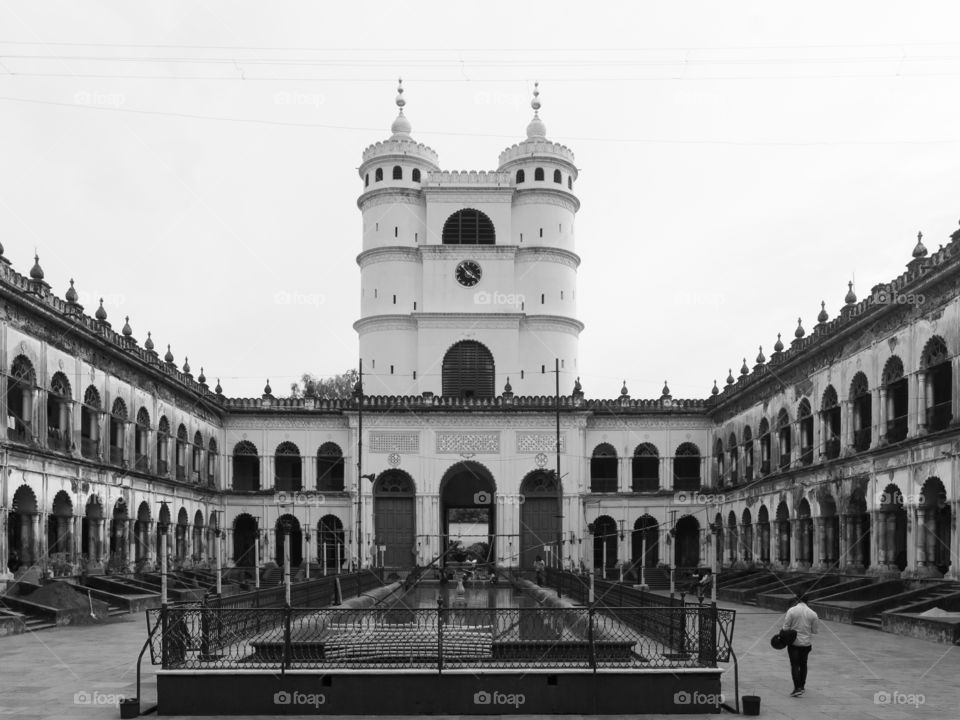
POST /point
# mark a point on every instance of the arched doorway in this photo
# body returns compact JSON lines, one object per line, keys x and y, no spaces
{"x":746,"y":531}
{"x":467,"y":513}
{"x":934,"y":517}
{"x":763,"y":530}
{"x":893,"y":529}
{"x":687,"y":542}
{"x":91,"y":526}
{"x":604,"y":530}
{"x":783,"y":534}
{"x":539,"y":523}
{"x":21,"y":533}
{"x":830,"y":542}
{"x":245,"y":541}
{"x":394,"y":518}
{"x":197,"y":545}
{"x":288,"y":524}
{"x":59,"y":522}
{"x":141,"y":533}
{"x":858,"y":530}
{"x":330,"y":544}
{"x":183,"y":521}
{"x":163,"y":526}
{"x":119,"y":528}
{"x":805,"y":550}
{"x":645,"y":527}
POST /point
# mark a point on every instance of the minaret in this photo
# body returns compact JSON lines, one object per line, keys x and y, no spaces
{"x":394,"y":226}
{"x":543,"y":213}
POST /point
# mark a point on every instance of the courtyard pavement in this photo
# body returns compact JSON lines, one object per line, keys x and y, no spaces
{"x":855,"y":673}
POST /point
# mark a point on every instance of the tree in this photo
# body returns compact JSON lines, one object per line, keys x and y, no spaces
{"x":328,"y":388}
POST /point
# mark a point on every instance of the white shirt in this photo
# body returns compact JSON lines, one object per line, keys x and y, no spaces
{"x":802,"y":619}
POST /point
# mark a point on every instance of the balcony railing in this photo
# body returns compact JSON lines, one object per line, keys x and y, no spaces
{"x":163,"y":467}
{"x":748,"y":474}
{"x":142,"y":463}
{"x":939,"y":416}
{"x":89,"y":448}
{"x":861,"y":439}
{"x":18,"y":433}
{"x":806,"y":455}
{"x":116,"y":455}
{"x":734,"y":478}
{"x":832,"y":448}
{"x":684,"y":482}
{"x":897,"y":429}
{"x":181,"y":472}
{"x":645,"y":484}
{"x":195,"y":476}
{"x":765,"y":467}
{"x":784,"y":461}
{"x":56,"y":440}
{"x":603,"y":485}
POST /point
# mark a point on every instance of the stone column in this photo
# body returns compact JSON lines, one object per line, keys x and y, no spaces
{"x":849,"y":420}
{"x":955,"y":386}
{"x":918,"y":390}
{"x":819,"y":542}
{"x":929,"y":537}
{"x":858,"y":541}
{"x":666,"y":473}
{"x":880,"y":402}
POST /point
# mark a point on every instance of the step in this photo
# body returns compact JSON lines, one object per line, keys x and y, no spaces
{"x":37,"y":623}
{"x":871,"y":621}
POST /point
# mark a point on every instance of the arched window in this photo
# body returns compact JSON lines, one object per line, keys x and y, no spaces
{"x":468,"y":227}
{"x":90,"y":424}
{"x":805,"y":431}
{"x":20,"y":390}
{"x":212,"y":462}
{"x":196,"y":459}
{"x":747,"y":454}
{"x":557,"y":177}
{"x":468,"y":371}
{"x":719,"y":459}
{"x":569,"y":182}
{"x":288,"y":467}
{"x":330,"y":467}
{"x":58,"y":412}
{"x":378,"y":175}
{"x":784,"y":438}
{"x":118,"y":425}
{"x":937,"y":386}
{"x":180,"y":452}
{"x":397,"y":172}
{"x":830,"y":410}
{"x":538,"y":174}
{"x":366,"y":180}
{"x":521,"y":177}
{"x":734,"y":459}
{"x":895,"y":387}
{"x":763,"y":432}
{"x":646,"y":468}
{"x":862,"y":412}
{"x":163,"y":446}
{"x":246,"y":467}
{"x":141,"y":441}
{"x":330,"y":543}
{"x":686,"y":467}
{"x":603,"y":469}
{"x":416,"y":175}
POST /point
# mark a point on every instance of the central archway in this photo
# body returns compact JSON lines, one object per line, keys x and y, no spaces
{"x":539,"y":522}
{"x":467,"y":512}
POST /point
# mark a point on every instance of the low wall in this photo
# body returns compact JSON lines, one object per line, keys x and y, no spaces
{"x":397,"y":693}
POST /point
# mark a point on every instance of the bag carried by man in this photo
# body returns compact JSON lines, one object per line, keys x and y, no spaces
{"x":782,"y":639}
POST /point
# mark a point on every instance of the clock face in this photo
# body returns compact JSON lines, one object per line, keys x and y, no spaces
{"x":468,"y":273}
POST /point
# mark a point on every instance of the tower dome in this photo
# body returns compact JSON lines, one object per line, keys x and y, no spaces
{"x":401,"y":126}
{"x":536,"y":130}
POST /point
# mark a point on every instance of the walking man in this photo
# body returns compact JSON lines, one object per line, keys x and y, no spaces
{"x":805,"y":622}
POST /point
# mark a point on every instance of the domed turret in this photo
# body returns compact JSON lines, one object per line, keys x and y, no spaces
{"x":823,"y":316}
{"x":148,"y":345}
{"x":401,"y":126}
{"x":127,"y":330}
{"x":919,"y":251}
{"x":760,"y":358}
{"x":799,"y":332}
{"x":72,"y":295}
{"x":851,"y":297}
{"x":101,"y":313}
{"x":36,"y":272}
{"x":218,"y":390}
{"x":267,"y":390}
{"x":730,"y":380}
{"x":536,"y":130}
{"x":744,"y":370}
{"x":778,"y":346}
{"x":201,"y":378}
{"x":714,"y":390}
{"x":665,"y":393}
{"x":186,"y":365}
{"x":168,"y":356}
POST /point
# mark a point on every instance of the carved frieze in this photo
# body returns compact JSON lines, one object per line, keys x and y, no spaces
{"x":474,"y":443}
{"x":536,"y":442}
{"x":382,"y":441}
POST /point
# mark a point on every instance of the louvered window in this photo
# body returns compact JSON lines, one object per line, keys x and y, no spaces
{"x":468,"y":227}
{"x":468,"y":371}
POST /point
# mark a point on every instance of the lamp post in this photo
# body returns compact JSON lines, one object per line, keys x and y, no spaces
{"x":217,"y":532}
{"x":620,"y":561}
{"x":256,"y":555}
{"x":371,"y":477}
{"x":162,"y":526}
{"x":286,"y":525}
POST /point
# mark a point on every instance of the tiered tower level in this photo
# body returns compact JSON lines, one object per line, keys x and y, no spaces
{"x":468,"y":279}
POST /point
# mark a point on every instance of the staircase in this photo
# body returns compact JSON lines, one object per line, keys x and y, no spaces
{"x":874,"y":621}
{"x":273,"y":576}
{"x":657,"y":578}
{"x":31,"y":623}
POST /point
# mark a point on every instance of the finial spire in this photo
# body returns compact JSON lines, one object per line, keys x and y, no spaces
{"x":535,"y":103}
{"x":400,"y":101}
{"x":536,"y":130}
{"x":401,"y":126}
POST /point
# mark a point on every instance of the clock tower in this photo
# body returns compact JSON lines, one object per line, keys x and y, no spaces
{"x":468,"y":278}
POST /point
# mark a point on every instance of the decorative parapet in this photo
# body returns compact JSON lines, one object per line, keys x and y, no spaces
{"x":446,"y":178}
{"x":401,"y":147}
{"x":538,"y":148}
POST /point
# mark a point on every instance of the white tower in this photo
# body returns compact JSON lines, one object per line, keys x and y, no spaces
{"x":468,"y":278}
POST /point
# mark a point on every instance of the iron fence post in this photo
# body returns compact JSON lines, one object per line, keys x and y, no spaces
{"x":204,"y":628}
{"x":286,"y":639}
{"x":164,"y":660}
{"x":440,"y":635}
{"x":593,"y":649}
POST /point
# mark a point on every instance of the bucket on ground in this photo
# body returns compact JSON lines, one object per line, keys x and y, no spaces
{"x":130,"y":708}
{"x":751,"y":704}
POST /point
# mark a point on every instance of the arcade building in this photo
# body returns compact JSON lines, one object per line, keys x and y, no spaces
{"x":838,"y":452}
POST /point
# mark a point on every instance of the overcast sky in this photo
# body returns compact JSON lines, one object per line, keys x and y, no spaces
{"x":192,"y":162}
